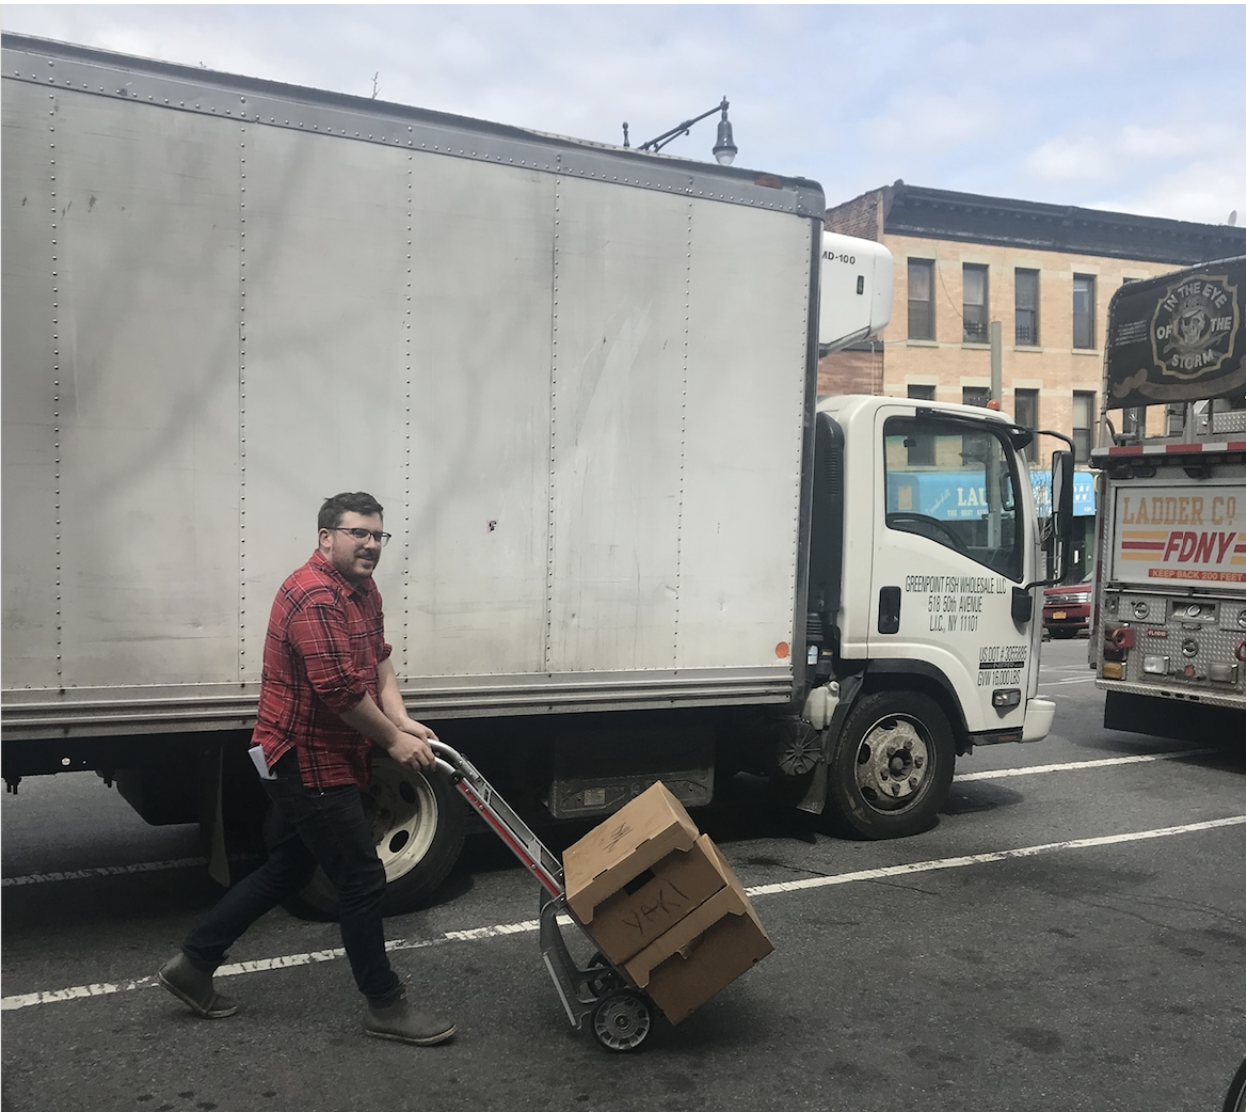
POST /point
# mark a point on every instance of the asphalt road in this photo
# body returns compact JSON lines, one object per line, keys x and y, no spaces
{"x":1072,"y":935}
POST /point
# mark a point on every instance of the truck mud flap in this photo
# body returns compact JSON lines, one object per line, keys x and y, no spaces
{"x":814,"y":801}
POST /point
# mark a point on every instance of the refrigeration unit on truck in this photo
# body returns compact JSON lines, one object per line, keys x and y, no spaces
{"x":582,"y":380}
{"x":1168,"y":639}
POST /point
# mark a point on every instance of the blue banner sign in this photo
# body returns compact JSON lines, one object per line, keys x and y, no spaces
{"x":1083,"y":493}
{"x":961,"y":495}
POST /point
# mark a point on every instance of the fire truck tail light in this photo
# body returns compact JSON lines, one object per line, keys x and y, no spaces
{"x":1112,"y":670}
{"x":1155,"y":665}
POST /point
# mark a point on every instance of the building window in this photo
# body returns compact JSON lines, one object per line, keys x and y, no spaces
{"x":975,"y":395}
{"x":1025,"y":408}
{"x":921,"y":299}
{"x":1083,"y":311}
{"x":1027,"y":308}
{"x":920,"y":449}
{"x":975,"y":313}
{"x":1083,"y":425}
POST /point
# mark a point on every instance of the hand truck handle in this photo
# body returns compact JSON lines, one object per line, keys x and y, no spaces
{"x":448,"y":760}
{"x":500,"y":817}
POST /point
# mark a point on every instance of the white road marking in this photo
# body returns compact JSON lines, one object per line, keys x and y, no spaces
{"x":199,"y":862}
{"x":114,"y":870}
{"x":1062,"y":683}
{"x":1078,"y":766}
{"x":997,"y":855}
{"x":109,"y":870}
{"x":528,"y":926}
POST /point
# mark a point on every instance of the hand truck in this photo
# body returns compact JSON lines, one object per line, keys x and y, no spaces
{"x":620,"y":1015}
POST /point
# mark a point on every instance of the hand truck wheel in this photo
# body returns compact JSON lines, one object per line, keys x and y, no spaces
{"x":622,"y":1020}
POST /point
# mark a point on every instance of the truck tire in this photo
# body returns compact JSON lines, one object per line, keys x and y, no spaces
{"x":891,"y":769}
{"x":418,"y":824}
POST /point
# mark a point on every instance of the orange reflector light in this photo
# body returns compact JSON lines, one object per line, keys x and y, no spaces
{"x":782,"y":649}
{"x":1112,"y":670}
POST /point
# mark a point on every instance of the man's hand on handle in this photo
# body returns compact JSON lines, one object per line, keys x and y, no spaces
{"x":403,"y":738}
{"x":411,"y":745}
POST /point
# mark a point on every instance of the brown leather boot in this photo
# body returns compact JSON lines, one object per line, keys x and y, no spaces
{"x":403,"y":1023}
{"x":193,"y":987}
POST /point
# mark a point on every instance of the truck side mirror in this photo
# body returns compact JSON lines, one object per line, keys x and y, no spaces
{"x":1061,"y":516}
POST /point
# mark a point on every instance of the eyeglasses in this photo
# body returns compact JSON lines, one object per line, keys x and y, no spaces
{"x":362,"y":534}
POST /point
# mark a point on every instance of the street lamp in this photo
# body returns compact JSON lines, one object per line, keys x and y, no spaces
{"x":724,"y":150}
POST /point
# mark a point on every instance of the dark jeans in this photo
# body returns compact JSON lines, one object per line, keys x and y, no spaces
{"x":306,"y":828}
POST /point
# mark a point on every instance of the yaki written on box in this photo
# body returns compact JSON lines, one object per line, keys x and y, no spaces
{"x":660,"y":900}
{"x":627,"y":846}
{"x":704,"y":952}
{"x":650,"y":904}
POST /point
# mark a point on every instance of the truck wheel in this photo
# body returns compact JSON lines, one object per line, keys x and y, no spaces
{"x":418,"y":824}
{"x":891,"y":769}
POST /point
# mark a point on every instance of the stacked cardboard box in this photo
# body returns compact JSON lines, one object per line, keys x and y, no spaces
{"x":662,"y":903}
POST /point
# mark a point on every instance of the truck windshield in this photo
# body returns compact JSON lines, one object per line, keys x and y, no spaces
{"x":955,"y":486}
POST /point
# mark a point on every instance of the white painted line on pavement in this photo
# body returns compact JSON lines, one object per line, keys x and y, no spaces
{"x":1077,"y":766}
{"x":189,"y":862}
{"x":528,"y":926}
{"x":987,"y":858}
{"x":115,"y":870}
{"x":108,"y":870}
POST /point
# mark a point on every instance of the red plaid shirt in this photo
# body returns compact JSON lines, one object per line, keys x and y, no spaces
{"x":326,"y":637}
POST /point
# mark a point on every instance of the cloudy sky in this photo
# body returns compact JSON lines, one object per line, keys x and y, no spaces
{"x":1135,"y":108}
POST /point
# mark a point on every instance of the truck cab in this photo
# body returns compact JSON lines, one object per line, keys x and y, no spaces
{"x":921,"y":596}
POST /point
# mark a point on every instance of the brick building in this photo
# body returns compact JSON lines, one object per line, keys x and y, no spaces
{"x":1046,"y":272}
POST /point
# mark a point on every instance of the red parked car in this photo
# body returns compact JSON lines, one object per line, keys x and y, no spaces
{"x":1066,"y":609}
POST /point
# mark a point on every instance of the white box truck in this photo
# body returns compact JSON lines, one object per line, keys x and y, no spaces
{"x":1168,"y":624}
{"x":581,"y":380}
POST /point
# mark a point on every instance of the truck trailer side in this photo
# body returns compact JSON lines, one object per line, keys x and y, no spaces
{"x":581,"y":380}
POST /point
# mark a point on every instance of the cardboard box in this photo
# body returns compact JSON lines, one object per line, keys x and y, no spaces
{"x":633,"y":839}
{"x":703,"y":952}
{"x":630,"y":919}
